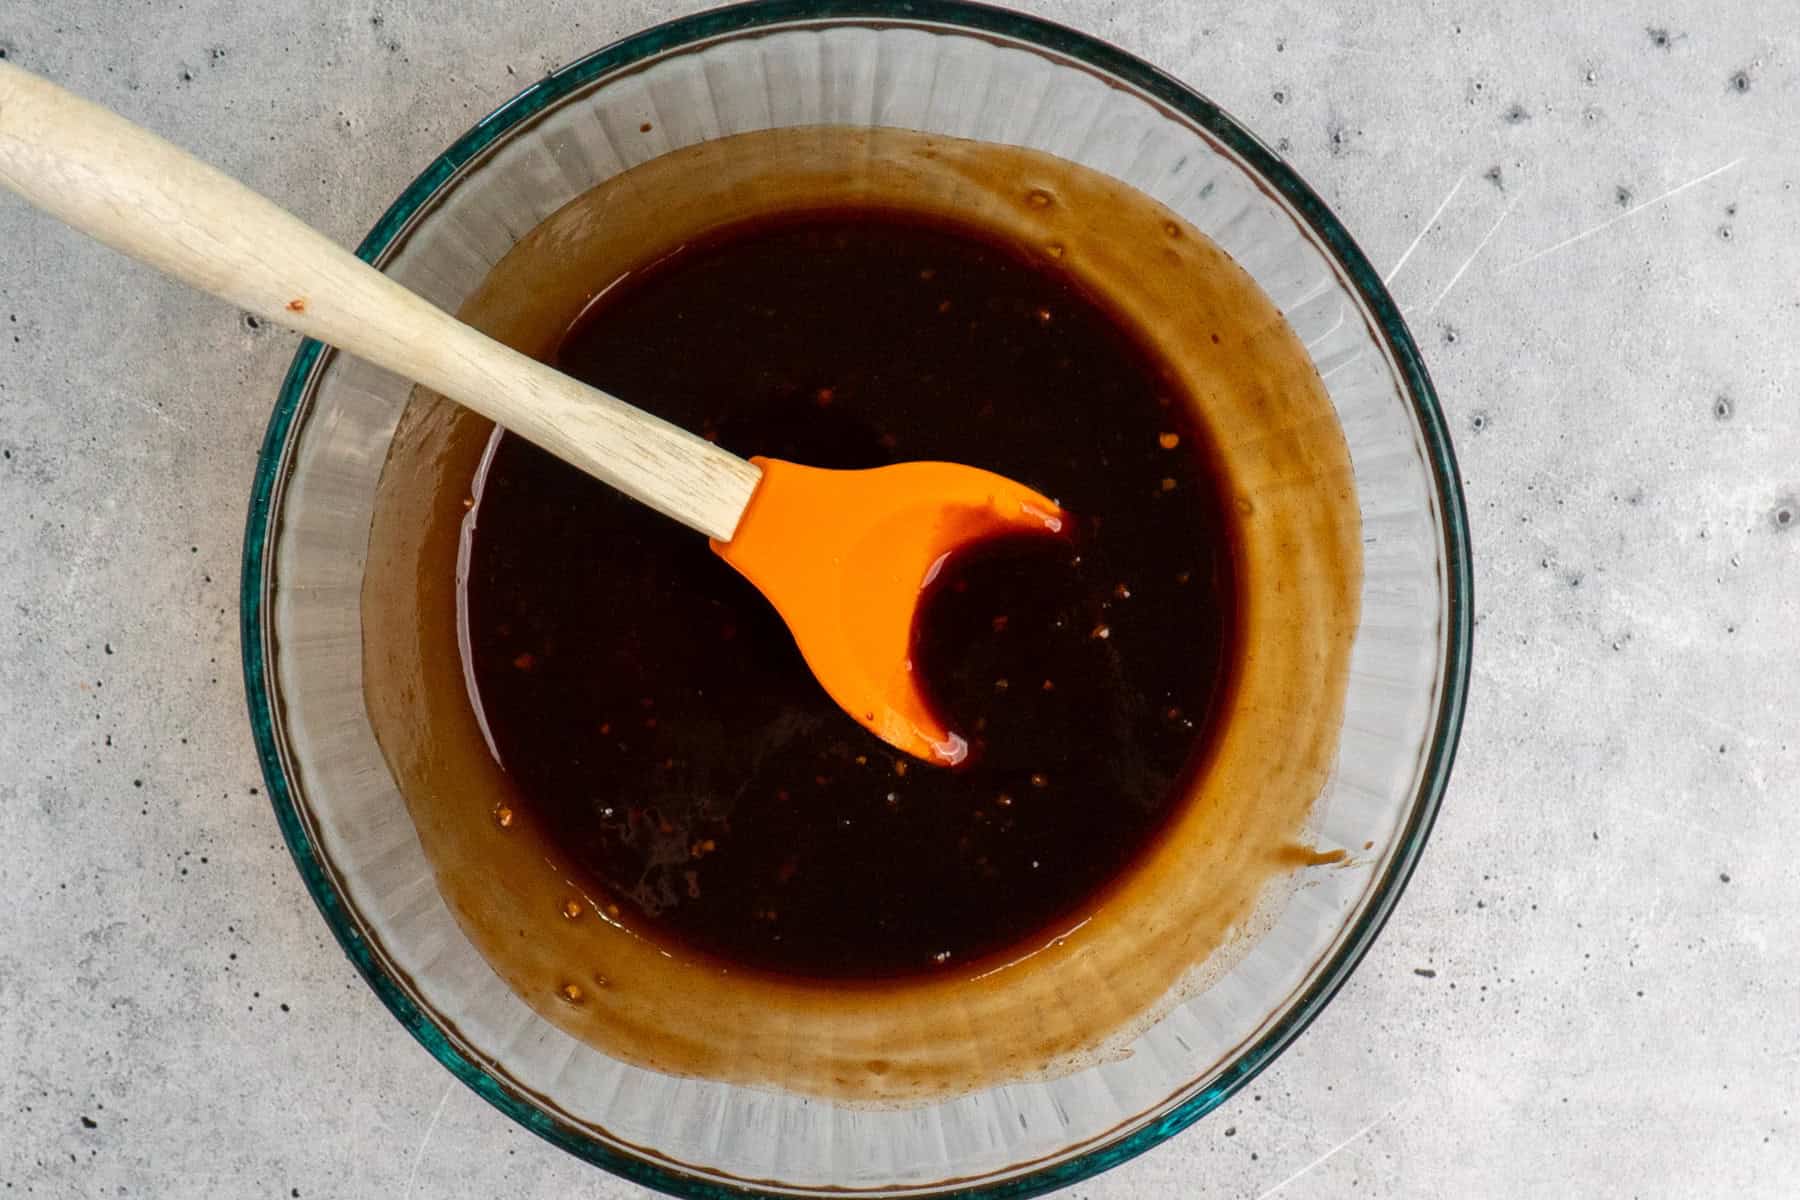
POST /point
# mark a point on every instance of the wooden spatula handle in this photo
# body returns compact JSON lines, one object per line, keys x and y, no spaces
{"x":127,"y":187}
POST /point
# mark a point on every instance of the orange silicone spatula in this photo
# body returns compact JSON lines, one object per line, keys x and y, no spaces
{"x":843,"y":555}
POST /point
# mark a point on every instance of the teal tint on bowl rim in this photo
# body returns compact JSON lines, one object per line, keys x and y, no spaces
{"x":271,"y":718}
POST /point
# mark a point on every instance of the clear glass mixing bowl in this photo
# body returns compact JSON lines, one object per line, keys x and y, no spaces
{"x":940,"y":67}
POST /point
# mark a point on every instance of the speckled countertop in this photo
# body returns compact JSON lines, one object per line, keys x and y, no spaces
{"x":1593,"y":985}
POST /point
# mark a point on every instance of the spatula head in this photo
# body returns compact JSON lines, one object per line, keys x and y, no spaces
{"x":844,"y":555}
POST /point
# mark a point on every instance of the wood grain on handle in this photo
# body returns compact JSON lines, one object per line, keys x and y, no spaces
{"x":123,"y":185}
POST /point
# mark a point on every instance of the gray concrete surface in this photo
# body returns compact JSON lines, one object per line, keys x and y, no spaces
{"x":1592,"y":987}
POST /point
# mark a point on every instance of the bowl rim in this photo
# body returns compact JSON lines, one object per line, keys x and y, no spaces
{"x":274,"y":460}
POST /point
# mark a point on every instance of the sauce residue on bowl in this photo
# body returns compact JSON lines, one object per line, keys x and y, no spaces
{"x":1174,"y":845}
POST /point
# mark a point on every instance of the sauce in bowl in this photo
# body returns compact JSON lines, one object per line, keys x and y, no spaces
{"x":652,"y":710}
{"x":637,"y":803}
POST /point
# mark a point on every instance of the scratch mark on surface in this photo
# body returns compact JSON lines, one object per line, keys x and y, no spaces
{"x":1626,"y":215}
{"x":419,"y":1154}
{"x":158,"y":413}
{"x":1740,"y":732}
{"x":78,"y":561}
{"x":360,"y":1158}
{"x":1427,"y":228}
{"x":1335,"y":46}
{"x":1479,"y":247}
{"x":1675,"y":819}
{"x":1316,"y":1163}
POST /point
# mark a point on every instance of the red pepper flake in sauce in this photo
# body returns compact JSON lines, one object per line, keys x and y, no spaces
{"x":572,"y":993}
{"x":1168,"y":441}
{"x":571,"y":909}
{"x":1000,"y":624}
{"x":1168,"y":485}
{"x":1121,"y":592}
{"x":1102,"y":632}
{"x":503,"y":817}
{"x":1039,"y":779}
{"x":524,"y":661}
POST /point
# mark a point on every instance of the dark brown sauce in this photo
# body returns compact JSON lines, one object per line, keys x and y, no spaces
{"x":650,"y":707}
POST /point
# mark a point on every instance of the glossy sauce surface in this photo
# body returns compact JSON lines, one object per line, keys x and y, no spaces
{"x":652,"y":711}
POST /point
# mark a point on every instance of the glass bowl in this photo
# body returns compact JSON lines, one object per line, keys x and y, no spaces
{"x":939,"y":67}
